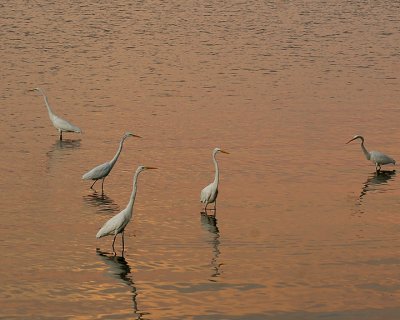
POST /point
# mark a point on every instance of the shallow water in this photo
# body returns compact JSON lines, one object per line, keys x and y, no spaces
{"x":305,"y":229}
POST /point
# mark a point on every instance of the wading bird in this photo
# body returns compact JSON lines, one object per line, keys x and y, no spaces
{"x":60,"y":124}
{"x":102,"y":170}
{"x":209,"y":194}
{"x":375,"y":156}
{"x":117,"y":224}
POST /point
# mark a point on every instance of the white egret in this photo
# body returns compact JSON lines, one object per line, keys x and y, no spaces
{"x":375,"y":156}
{"x":117,"y":224}
{"x":60,"y":124}
{"x":209,"y":194}
{"x":102,"y":170}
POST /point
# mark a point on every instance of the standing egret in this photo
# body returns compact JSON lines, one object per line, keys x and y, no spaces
{"x":117,"y":224}
{"x":60,"y":124}
{"x":375,"y":156}
{"x":102,"y":170}
{"x":209,"y":194}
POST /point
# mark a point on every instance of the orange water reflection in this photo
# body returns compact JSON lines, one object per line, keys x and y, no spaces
{"x":303,"y":229}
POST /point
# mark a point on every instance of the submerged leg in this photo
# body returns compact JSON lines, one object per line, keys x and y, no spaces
{"x":102,"y":184}
{"x":123,"y":242}
{"x":91,"y":187}
{"x":114,"y":242}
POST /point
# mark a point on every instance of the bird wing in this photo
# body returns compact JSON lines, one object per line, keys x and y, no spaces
{"x":113,"y":226}
{"x":64,"y":125}
{"x":381,"y":158}
{"x":98,"y":172}
{"x":208,"y":194}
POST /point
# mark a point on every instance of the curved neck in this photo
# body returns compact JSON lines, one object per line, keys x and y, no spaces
{"x":133,"y":194}
{"x":216,"y":178}
{"x":46,"y":101}
{"x":366,"y":153}
{"x":114,"y":160}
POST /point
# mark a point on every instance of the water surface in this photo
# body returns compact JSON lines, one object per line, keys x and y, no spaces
{"x":305,"y":229}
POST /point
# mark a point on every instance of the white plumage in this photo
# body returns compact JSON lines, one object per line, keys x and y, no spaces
{"x":209,"y":194}
{"x":60,"y":124}
{"x":378,"y":158}
{"x":117,"y":224}
{"x":101,"y":171}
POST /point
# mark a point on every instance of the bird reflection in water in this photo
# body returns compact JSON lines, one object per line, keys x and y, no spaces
{"x":209,"y":223}
{"x":60,"y":149}
{"x":120,"y":270}
{"x":101,"y":201}
{"x":64,"y":145}
{"x":374,"y":181}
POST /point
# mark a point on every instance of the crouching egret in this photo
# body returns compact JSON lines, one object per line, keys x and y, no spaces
{"x":102,"y":170}
{"x":375,"y":156}
{"x":117,"y":224}
{"x":209,"y":194}
{"x":60,"y":124}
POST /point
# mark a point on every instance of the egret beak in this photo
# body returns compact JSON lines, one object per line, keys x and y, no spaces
{"x":151,"y":168}
{"x":223,"y":151}
{"x":351,"y":140}
{"x":128,"y":134}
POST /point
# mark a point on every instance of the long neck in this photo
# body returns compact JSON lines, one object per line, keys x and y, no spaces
{"x":114,"y":160}
{"x":133,"y":194}
{"x":216,"y":178}
{"x":46,"y":101}
{"x":366,"y":153}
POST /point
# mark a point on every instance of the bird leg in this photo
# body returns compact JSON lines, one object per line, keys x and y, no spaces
{"x":102,"y":183}
{"x":91,"y":187}
{"x":378,"y":167}
{"x":123,"y":242}
{"x":205,"y":208}
{"x":114,"y":242}
{"x":60,"y":135}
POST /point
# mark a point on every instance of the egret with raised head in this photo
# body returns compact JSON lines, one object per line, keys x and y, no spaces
{"x":378,"y":158}
{"x":102,"y":170}
{"x":60,"y":124}
{"x":209,"y":194}
{"x":117,"y":224}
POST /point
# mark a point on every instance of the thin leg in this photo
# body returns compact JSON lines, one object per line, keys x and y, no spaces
{"x":60,"y":135}
{"x":114,"y":242}
{"x":102,"y":183}
{"x":205,"y":208}
{"x":91,"y":187}
{"x":123,"y":242}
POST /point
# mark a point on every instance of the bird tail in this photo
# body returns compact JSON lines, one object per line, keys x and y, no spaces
{"x":86,"y":176}
{"x":100,"y":234}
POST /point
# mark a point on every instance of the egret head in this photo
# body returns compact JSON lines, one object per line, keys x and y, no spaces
{"x":220,"y":150}
{"x":36,"y":89}
{"x":356,"y":137}
{"x":143,"y":168}
{"x":130,"y":134}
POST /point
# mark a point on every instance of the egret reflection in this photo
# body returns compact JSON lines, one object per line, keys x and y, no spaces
{"x":375,"y":182}
{"x":120,"y":270}
{"x":63,"y":145}
{"x":60,"y":150}
{"x":209,"y":223}
{"x":101,"y":201}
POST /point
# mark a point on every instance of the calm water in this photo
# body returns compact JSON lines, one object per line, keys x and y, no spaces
{"x":304,"y":229}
